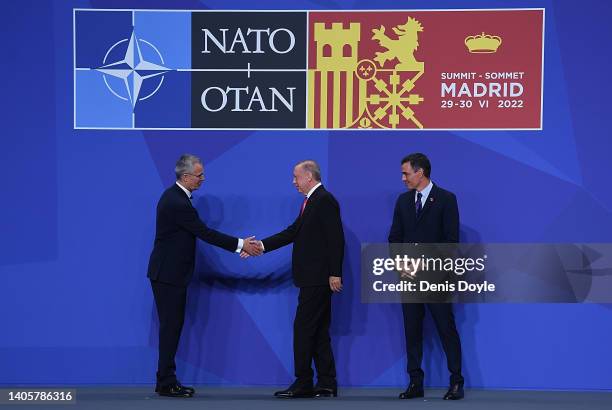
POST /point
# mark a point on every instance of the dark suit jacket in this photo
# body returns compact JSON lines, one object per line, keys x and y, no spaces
{"x":177,"y":226}
{"x":437,"y":223}
{"x":318,"y":241}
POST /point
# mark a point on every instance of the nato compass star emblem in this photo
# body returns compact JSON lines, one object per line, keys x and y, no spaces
{"x":133,"y":69}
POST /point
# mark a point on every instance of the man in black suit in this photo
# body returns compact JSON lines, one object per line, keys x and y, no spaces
{"x":318,"y":251}
{"x":172,"y":262}
{"x":427,"y":214}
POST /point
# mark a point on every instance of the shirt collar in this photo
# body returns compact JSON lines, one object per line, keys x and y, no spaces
{"x":184,"y":190}
{"x":425,"y":191}
{"x":312,"y":190}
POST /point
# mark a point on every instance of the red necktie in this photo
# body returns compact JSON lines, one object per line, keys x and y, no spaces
{"x":303,"y":206}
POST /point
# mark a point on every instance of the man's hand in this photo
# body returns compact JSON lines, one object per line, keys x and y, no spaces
{"x":251,"y":247}
{"x":409,"y":272}
{"x":335,"y":283}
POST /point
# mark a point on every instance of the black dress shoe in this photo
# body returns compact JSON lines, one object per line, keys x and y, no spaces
{"x":325,"y":391}
{"x":295,"y":393}
{"x":174,"y":390}
{"x":412,"y":392}
{"x":455,"y":392}
{"x":191,"y":390}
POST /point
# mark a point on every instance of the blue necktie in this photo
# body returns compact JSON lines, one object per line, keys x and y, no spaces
{"x":419,"y":205}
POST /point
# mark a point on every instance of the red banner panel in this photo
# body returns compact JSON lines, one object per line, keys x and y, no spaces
{"x":451,"y":69}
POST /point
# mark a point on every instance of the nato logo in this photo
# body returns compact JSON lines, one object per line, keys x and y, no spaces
{"x":132,"y":69}
{"x":156,"y":69}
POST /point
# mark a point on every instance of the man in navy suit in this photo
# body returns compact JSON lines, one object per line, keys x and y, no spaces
{"x":427,"y":214}
{"x":172,"y":262}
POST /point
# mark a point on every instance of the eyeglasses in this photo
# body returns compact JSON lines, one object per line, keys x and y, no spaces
{"x":200,"y":176}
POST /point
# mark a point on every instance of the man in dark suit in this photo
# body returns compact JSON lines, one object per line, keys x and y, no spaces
{"x":318,"y":251}
{"x":427,"y":214}
{"x":172,"y":262}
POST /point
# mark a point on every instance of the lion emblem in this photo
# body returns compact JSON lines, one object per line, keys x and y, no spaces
{"x":402,"y":48}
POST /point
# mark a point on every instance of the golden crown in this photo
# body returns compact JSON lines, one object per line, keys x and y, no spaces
{"x":482,"y":43}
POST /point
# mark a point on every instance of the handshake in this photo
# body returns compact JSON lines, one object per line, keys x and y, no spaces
{"x":251,"y":247}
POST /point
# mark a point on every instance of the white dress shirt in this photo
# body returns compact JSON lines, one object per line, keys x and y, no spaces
{"x":312,"y":190}
{"x":425,"y":193}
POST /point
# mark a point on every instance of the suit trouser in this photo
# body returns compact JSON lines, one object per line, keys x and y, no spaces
{"x":444,"y":320}
{"x":311,"y":339}
{"x":170,"y":301}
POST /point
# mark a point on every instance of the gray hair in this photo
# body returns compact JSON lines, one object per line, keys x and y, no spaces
{"x":185,"y":165}
{"x":311,"y":166}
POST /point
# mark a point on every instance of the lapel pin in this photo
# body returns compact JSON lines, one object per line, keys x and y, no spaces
{"x":431,"y":199}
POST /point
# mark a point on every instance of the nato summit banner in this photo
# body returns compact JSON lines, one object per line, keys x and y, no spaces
{"x":399,"y":69}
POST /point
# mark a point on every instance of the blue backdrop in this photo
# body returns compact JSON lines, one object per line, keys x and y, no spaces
{"x":78,"y":210}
